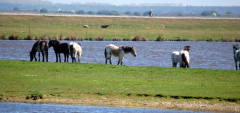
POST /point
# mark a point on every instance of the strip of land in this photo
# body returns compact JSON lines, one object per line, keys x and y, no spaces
{"x":35,"y":27}
{"x":123,"y":86}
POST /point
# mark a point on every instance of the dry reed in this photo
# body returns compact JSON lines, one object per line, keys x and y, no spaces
{"x":139,"y":38}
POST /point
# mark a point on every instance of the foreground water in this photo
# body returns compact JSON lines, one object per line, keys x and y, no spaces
{"x":207,"y":55}
{"x":46,"y":108}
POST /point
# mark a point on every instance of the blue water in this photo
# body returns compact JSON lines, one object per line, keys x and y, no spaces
{"x":46,"y":108}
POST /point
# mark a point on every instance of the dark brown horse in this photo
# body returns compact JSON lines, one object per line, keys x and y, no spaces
{"x":60,"y":48}
{"x":40,"y":47}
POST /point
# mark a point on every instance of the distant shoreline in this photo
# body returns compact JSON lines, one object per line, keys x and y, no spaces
{"x":74,"y":15}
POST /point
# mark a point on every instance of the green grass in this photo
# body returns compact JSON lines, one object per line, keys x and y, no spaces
{"x":23,"y":78}
{"x":125,"y":28}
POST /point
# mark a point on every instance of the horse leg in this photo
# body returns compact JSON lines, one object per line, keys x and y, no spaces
{"x":106,"y":60}
{"x":56,"y":56}
{"x":35,"y":57}
{"x":118,"y":61}
{"x":46,"y":56}
{"x":43,"y":56}
{"x":38,"y":56}
{"x":110,"y":59}
{"x":67,"y":55}
{"x":78,"y":58}
{"x":236,"y":65}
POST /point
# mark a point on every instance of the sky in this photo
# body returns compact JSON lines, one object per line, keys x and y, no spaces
{"x":184,"y":2}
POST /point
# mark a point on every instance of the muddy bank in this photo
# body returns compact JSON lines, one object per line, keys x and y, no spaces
{"x":136,"y":102}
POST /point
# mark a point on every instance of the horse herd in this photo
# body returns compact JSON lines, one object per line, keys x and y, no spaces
{"x":75,"y":51}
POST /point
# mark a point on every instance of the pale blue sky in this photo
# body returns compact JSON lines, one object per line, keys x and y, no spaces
{"x":184,"y":2}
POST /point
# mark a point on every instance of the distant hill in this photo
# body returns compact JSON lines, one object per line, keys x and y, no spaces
{"x":157,"y":9}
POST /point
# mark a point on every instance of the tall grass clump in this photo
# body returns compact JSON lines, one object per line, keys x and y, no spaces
{"x":29,"y":37}
{"x":13,"y":37}
{"x":42,"y":37}
{"x":100,"y":38}
{"x":117,"y":39}
{"x":3,"y":36}
{"x":237,"y":39}
{"x":74,"y":37}
{"x":139,"y":38}
{"x":159,"y":38}
{"x":226,"y":39}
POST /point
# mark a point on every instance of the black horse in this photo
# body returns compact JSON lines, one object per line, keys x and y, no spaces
{"x":40,"y":47}
{"x":104,"y":26}
{"x":60,"y":48}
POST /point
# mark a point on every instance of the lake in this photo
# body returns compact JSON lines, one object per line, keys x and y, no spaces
{"x":206,"y":55}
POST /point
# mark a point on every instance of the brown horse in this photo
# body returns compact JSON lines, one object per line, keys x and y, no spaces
{"x":118,"y":52}
{"x":39,"y":46}
{"x":60,"y":48}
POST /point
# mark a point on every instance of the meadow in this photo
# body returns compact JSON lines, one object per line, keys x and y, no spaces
{"x":120,"y":28}
{"x":23,"y":79}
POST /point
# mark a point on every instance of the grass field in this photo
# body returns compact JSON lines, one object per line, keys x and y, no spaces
{"x":120,"y":27}
{"x":21,"y":78}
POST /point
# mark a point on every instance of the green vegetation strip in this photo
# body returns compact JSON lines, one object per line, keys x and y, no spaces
{"x":120,"y":28}
{"x":68,"y":80}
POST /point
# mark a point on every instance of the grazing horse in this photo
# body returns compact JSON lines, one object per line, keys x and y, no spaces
{"x":60,"y":48}
{"x":118,"y":52}
{"x":40,"y":47}
{"x":104,"y":26}
{"x":236,"y":53}
{"x":75,"y":50}
{"x":181,"y":57}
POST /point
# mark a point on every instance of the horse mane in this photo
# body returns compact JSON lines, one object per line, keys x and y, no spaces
{"x":235,"y":47}
{"x":126,"y":49}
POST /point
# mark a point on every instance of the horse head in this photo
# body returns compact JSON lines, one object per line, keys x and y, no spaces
{"x":235,"y":47}
{"x":31,"y":55}
{"x":134,"y":52}
{"x":53,"y":43}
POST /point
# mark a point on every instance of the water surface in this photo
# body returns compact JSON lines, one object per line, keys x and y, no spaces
{"x":207,"y":55}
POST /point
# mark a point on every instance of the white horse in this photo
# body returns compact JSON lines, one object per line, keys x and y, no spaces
{"x":118,"y":52}
{"x":182,"y":57}
{"x":236,"y":53}
{"x":75,"y":50}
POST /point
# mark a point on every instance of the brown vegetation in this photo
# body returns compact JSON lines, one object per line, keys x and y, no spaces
{"x":159,"y":38}
{"x":74,"y":37}
{"x":117,"y":39}
{"x":139,"y":38}
{"x":13,"y":37}
{"x":3,"y":36}
{"x":100,"y":38}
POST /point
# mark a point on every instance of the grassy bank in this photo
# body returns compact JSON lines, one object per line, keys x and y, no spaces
{"x":47,"y":27}
{"x":25,"y":79}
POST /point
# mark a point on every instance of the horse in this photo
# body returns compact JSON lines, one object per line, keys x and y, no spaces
{"x":236,"y":55}
{"x":75,"y":49}
{"x":150,"y":13}
{"x":104,"y":26}
{"x":40,"y":47}
{"x":60,"y":48}
{"x":182,"y":57}
{"x":120,"y":52}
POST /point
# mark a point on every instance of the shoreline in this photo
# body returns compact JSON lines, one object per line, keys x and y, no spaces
{"x":153,"y":103}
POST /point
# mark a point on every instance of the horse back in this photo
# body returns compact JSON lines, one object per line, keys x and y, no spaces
{"x":44,"y":45}
{"x":175,"y":56}
{"x":62,"y":48}
{"x":36,"y":47}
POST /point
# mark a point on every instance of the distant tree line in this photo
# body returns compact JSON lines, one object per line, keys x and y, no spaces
{"x":122,"y":9}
